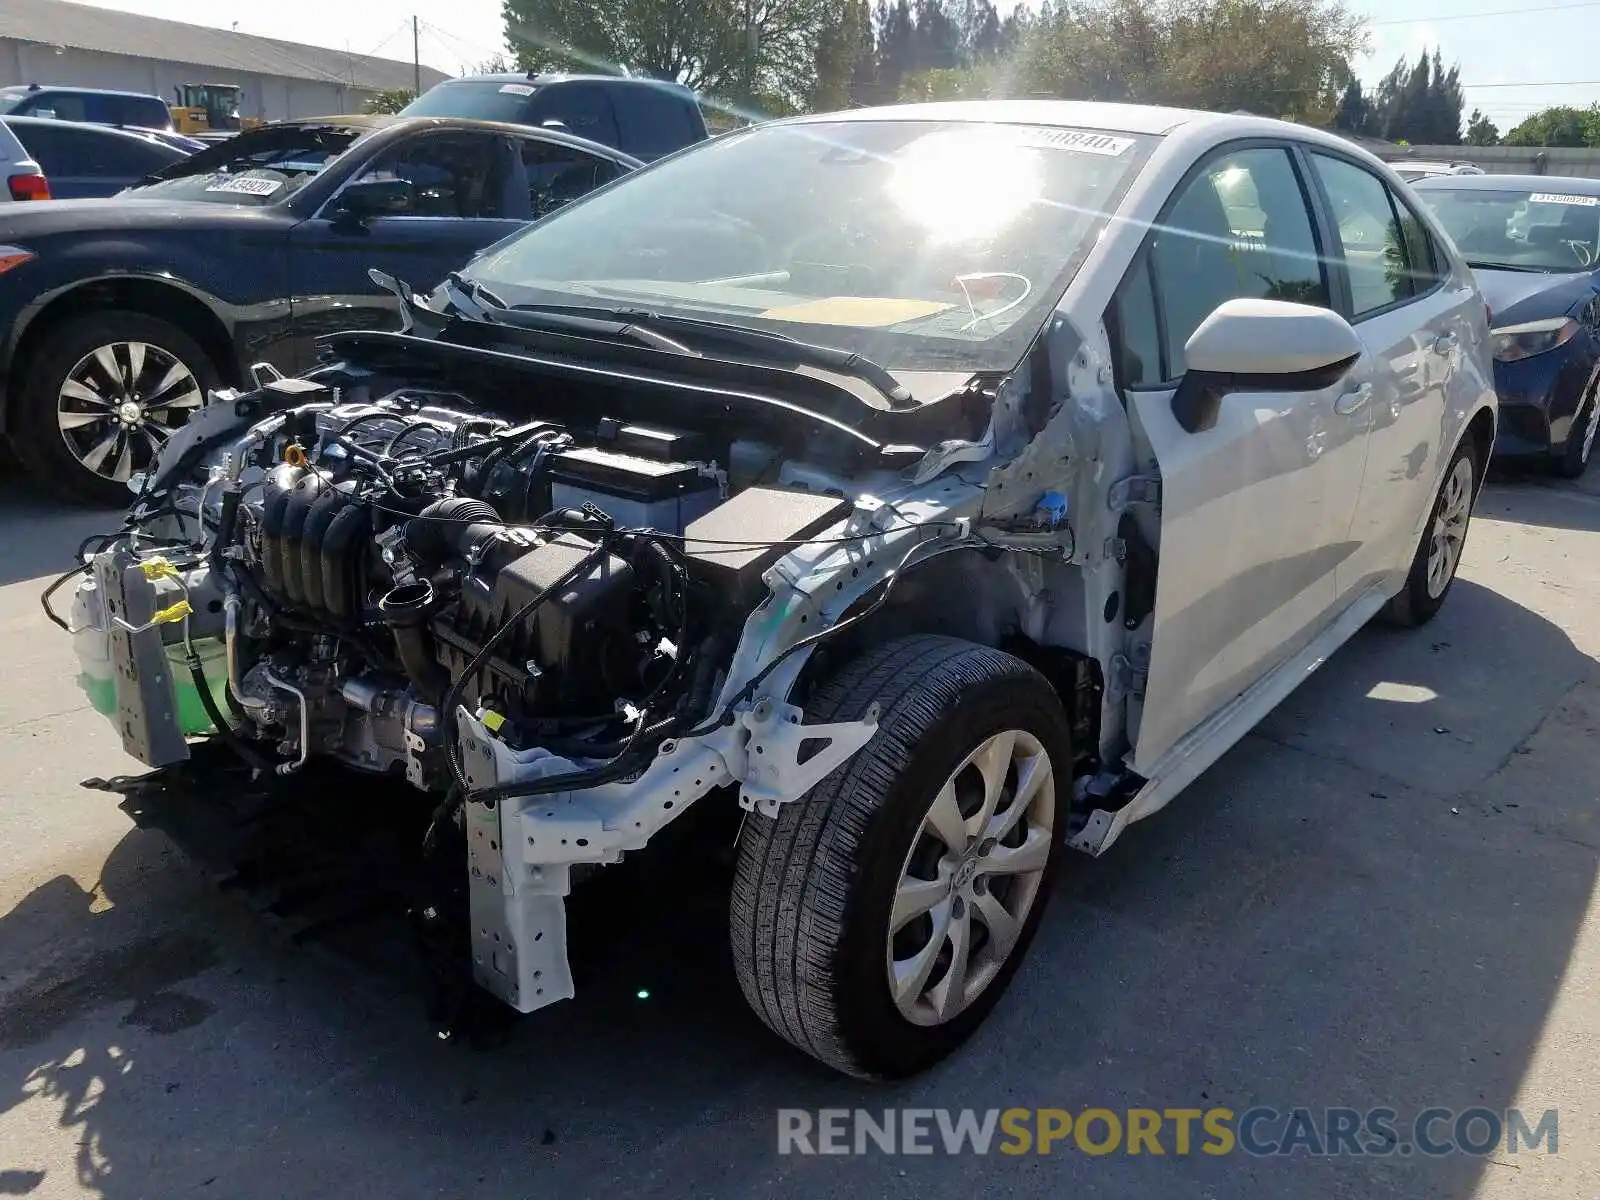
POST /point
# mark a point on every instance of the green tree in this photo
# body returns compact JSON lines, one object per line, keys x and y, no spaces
{"x":1419,"y":102}
{"x":1354,"y":113}
{"x":391,"y":100}
{"x":758,"y":52}
{"x":1481,"y":131}
{"x":1559,"y":126}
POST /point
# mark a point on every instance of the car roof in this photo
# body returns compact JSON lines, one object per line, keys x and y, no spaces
{"x":1511,"y":183}
{"x":545,"y":78}
{"x":33,"y":89}
{"x":1148,"y":119}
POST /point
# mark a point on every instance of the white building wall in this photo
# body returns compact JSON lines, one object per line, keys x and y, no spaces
{"x":273,"y":97}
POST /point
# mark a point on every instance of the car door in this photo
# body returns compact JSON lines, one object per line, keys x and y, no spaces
{"x":1415,"y":328}
{"x":467,"y":190}
{"x":1256,"y":508}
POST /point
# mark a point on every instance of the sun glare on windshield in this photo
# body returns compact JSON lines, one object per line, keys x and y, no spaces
{"x":963,"y":185}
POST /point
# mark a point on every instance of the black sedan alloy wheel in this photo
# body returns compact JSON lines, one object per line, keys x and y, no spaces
{"x":119,"y":404}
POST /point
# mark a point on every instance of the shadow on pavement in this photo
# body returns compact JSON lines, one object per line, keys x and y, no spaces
{"x":38,"y":533}
{"x":1287,"y":934}
{"x":1531,"y":496}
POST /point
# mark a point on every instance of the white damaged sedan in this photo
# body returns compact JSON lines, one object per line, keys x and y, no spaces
{"x":945,"y":486}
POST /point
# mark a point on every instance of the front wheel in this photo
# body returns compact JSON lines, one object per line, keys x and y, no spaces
{"x":1438,"y":557}
{"x":1573,"y":461}
{"x":101,"y":396}
{"x":876,"y":921}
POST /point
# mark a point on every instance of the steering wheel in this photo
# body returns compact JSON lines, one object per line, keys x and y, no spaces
{"x":1581,"y":250}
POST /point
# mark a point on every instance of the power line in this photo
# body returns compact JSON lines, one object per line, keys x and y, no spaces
{"x":1539,"y":83}
{"x":1494,"y":12}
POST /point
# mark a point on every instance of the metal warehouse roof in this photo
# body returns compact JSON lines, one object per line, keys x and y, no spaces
{"x":57,"y":23}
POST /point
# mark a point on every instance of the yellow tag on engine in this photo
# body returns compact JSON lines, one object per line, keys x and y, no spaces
{"x":158,"y":568}
{"x":168,"y":616}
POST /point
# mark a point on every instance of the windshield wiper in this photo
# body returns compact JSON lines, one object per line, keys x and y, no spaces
{"x":770,"y":346}
{"x":483,"y":305}
{"x":1497,"y":266}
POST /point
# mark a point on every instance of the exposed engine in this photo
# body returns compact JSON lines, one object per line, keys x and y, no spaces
{"x":374,"y":565}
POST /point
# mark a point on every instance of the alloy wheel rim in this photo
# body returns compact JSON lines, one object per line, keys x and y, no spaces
{"x":971,"y":877}
{"x":121,"y":402}
{"x":1449,"y":528}
{"x":1594,"y":424}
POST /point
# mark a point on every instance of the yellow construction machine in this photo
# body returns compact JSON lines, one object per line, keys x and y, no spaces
{"x":209,"y":107}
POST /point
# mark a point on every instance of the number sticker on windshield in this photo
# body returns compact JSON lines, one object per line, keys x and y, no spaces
{"x":518,"y":89}
{"x":1558,"y":198}
{"x":247,"y":186}
{"x":1084,"y":143}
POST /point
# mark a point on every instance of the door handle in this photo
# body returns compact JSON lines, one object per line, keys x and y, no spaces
{"x":1353,"y":401}
{"x":1444,"y":343}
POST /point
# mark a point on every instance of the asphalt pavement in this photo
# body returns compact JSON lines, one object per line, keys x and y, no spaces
{"x":1383,"y":898}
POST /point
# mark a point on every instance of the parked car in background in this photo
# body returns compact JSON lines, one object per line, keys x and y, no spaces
{"x":93,"y":105}
{"x":117,"y":316}
{"x":1412,"y":171}
{"x":1534,"y":244}
{"x":86,"y":162}
{"x":646,"y":118}
{"x":21,"y":177}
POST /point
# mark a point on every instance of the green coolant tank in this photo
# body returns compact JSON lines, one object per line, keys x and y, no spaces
{"x":92,"y":642}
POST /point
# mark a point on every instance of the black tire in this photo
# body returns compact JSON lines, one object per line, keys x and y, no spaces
{"x":1573,"y":461}
{"x":35,"y":432}
{"x":1417,"y":603}
{"x":815,"y":885}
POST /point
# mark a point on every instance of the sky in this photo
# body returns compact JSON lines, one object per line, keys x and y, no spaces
{"x":1514,"y":59}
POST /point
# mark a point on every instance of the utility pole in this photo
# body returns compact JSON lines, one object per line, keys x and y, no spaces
{"x":416,"y":56}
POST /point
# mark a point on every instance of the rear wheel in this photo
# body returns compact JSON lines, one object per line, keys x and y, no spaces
{"x":1438,"y":557}
{"x":100,"y":397}
{"x":878,"y":920}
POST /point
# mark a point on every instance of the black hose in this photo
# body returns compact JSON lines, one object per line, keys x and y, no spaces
{"x":406,"y":431}
{"x":44,"y":599}
{"x":225,"y":731}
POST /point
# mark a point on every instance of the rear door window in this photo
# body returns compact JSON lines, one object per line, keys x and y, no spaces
{"x":653,"y":121}
{"x":1376,"y":251}
{"x":584,"y":108}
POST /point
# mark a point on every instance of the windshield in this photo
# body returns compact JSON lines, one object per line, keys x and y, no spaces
{"x":478,"y":100}
{"x":252,"y":173}
{"x":1520,"y":229}
{"x":923,"y":245}
{"x":10,"y":99}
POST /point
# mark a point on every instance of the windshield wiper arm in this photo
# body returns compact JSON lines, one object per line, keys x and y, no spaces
{"x":772,"y":346}
{"x":552,"y":319}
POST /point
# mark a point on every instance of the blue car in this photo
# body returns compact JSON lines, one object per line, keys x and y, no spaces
{"x":1533,"y":242}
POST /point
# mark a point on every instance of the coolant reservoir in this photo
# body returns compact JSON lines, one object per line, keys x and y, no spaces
{"x":192,"y":718}
{"x":91,"y":640}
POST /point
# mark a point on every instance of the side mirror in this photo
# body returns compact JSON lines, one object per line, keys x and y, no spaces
{"x":1261,"y":346}
{"x":375,"y":197}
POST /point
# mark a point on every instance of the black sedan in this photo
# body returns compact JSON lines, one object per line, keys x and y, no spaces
{"x":83,"y":162}
{"x":1534,"y":244}
{"x":118,"y":316}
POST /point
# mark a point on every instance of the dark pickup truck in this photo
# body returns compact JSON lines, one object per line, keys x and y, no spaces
{"x":645,"y":118}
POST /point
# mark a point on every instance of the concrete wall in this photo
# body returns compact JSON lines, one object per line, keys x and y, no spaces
{"x":273,"y":97}
{"x":1512,"y":160}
